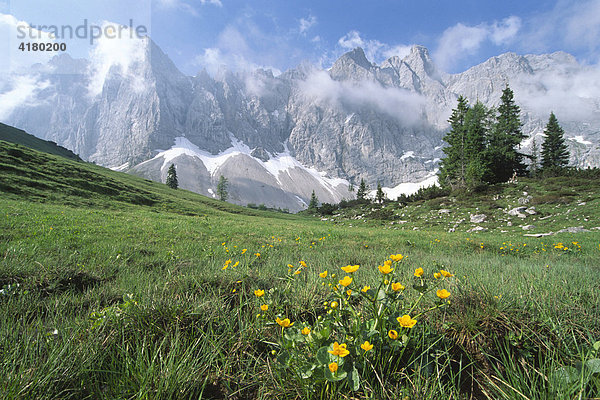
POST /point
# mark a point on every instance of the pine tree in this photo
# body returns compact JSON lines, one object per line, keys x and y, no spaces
{"x":222,"y":191}
{"x":555,"y":153}
{"x":453,"y":167}
{"x":172,"y":177}
{"x":380,"y":195}
{"x":505,"y":139}
{"x":361,"y":193}
{"x":314,"y":201}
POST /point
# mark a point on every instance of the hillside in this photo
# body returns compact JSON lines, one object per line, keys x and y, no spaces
{"x":112,"y":286}
{"x":18,"y":136}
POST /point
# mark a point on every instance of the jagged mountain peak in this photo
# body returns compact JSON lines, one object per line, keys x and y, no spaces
{"x":352,"y":65}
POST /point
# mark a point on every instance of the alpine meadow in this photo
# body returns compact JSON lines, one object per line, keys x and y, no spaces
{"x":234,"y":200}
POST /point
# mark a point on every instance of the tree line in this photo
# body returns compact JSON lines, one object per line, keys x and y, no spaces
{"x":484,"y":143}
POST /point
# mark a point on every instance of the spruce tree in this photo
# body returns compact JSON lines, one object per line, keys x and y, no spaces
{"x":380,"y":195}
{"x":314,"y":201}
{"x":555,"y":153}
{"x":172,"y":177}
{"x":505,"y":139}
{"x":477,"y":124}
{"x":453,"y":167}
{"x":361,"y":193}
{"x":222,"y":191}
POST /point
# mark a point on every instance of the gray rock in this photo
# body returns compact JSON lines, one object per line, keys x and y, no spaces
{"x":574,"y":229}
{"x":478,"y":218}
{"x":528,"y":227}
{"x":444,"y":211}
{"x":531,"y":211}
{"x":477,"y":229}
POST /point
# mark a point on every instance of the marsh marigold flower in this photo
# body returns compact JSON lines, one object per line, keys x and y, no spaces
{"x":406,"y":321}
{"x":437,"y":275}
{"x":346,"y":281}
{"x":323,"y":274}
{"x":285,"y":323}
{"x":350,"y":268}
{"x":305,"y":331}
{"x":333,"y":367}
{"x":259,"y":293}
{"x":244,"y":251}
{"x":365,"y":289}
{"x":397,"y":286}
{"x":396,"y":257}
{"x":366,"y":346}
{"x":419,"y":272}
{"x":339,"y":350}
{"x":385,"y":269}
{"x":446,"y":274}
{"x":393,"y":334}
{"x":303,"y":264}
{"x":264,"y":307}
{"x":443,"y":294}
{"x":334,"y":304}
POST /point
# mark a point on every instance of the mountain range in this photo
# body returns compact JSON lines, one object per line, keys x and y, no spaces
{"x":278,"y":138}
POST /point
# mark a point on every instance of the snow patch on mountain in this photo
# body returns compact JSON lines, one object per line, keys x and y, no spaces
{"x":409,"y":188}
{"x":580,"y":139}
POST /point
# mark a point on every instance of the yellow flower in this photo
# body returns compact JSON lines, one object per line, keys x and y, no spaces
{"x":303,"y":264}
{"x":333,"y":367}
{"x":339,"y":350}
{"x":264,"y":307}
{"x":349,"y":292}
{"x":244,"y":251}
{"x":396,"y":257}
{"x":386,"y":269}
{"x":226,"y":264}
{"x":297,"y":272}
{"x":419,"y":272}
{"x":393,"y":334}
{"x":365,"y":289}
{"x":437,"y":275}
{"x":285,"y":323}
{"x":323,"y":274}
{"x":366,"y":346}
{"x":346,"y":281}
{"x":406,"y":321}
{"x":446,"y":274}
{"x":350,"y":268}
{"x":290,"y":266}
{"x":305,"y":331}
{"x":397,"y":286}
{"x":334,"y":304}
{"x":259,"y":293}
{"x":443,"y":294}
{"x":236,"y":264}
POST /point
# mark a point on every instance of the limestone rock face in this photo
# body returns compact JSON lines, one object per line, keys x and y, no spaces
{"x":306,"y":129}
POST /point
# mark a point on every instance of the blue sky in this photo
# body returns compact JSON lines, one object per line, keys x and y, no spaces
{"x":281,"y":34}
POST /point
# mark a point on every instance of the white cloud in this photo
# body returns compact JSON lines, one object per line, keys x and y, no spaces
{"x":375,"y":50}
{"x":116,"y":55}
{"x":400,"y":104}
{"x":460,"y":41}
{"x":307,"y":23}
{"x":185,"y":6}
{"x":19,"y":91}
{"x":14,"y":32}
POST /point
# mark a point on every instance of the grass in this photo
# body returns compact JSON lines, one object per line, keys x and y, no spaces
{"x":113,"y":288}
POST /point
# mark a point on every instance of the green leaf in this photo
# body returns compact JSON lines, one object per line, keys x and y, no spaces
{"x":338,"y":376}
{"x":354,"y":379}
{"x":593,"y":365}
{"x":381,"y":295}
{"x":308,"y":372}
{"x":420,"y":288}
{"x":566,"y":375}
{"x":597,"y":346}
{"x":284,"y":358}
{"x":322,"y":355}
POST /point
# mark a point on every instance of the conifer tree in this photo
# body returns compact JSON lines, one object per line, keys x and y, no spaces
{"x":314,"y":201}
{"x":555,"y":153}
{"x":172,"y":177}
{"x":222,"y":191}
{"x":505,"y":139}
{"x":361,"y":193}
{"x":453,"y":167}
{"x":380,"y":195}
{"x":477,"y":124}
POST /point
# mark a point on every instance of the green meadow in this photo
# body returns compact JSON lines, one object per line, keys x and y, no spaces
{"x":115,"y":287}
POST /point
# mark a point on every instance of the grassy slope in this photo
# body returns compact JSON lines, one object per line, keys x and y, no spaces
{"x":78,"y":237}
{"x":18,"y":136}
